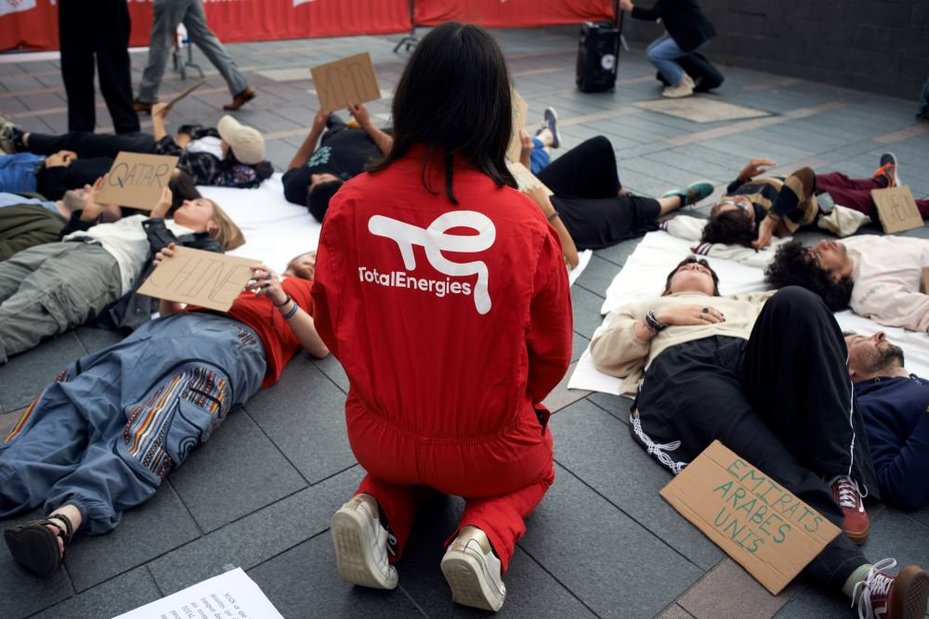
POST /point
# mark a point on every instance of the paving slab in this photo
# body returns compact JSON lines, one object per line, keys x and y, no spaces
{"x":254,"y":474}
{"x":26,"y":374}
{"x":120,"y":595}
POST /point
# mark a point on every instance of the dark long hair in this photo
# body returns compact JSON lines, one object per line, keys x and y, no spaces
{"x":454,"y":98}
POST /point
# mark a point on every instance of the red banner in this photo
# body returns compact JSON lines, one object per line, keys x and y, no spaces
{"x":511,"y":13}
{"x":33,"y":24}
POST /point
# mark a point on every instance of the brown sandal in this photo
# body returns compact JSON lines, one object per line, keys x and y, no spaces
{"x":35,"y":547}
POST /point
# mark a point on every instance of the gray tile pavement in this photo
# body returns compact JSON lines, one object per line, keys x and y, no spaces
{"x":603,"y":543}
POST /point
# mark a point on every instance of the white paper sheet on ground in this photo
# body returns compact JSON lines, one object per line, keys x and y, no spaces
{"x":583,"y":259}
{"x":275,"y":230}
{"x":643,"y":276}
{"x":232,"y":594}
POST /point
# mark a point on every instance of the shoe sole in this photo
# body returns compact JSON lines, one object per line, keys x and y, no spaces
{"x":858,"y":537}
{"x":351,"y":554}
{"x":897,"y":181}
{"x":556,"y":137}
{"x":31,"y":550}
{"x":466,"y":579}
{"x":910,"y":594}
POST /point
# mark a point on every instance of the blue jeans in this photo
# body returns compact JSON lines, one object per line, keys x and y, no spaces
{"x":539,"y":157}
{"x":113,"y":424}
{"x":18,"y":172}
{"x":662,"y":53}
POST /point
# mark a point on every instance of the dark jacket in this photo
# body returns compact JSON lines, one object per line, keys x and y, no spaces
{"x":683,"y":20}
{"x":26,"y":225}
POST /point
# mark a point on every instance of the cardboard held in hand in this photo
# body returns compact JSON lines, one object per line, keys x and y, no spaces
{"x":198,"y":277}
{"x":349,"y":80}
{"x":760,"y":524}
{"x":137,"y":180}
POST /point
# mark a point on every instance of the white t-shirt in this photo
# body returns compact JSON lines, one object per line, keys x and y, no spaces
{"x":127,"y":242}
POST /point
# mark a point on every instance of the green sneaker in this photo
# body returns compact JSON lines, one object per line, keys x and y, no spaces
{"x":693,"y":193}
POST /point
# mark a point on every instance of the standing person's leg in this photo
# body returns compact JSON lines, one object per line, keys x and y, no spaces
{"x":112,"y":26}
{"x":586,"y":171}
{"x":76,"y":41}
{"x":200,"y":33}
{"x":167,"y":14}
{"x":87,"y":144}
{"x":71,"y":286}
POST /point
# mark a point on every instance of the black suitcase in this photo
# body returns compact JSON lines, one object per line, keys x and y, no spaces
{"x":597,"y":56}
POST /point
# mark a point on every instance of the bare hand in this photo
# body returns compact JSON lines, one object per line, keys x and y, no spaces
{"x":265,"y":282}
{"x":160,"y":110}
{"x":690,"y":315}
{"x":625,"y":5}
{"x":61,"y":159}
{"x":525,"y":148}
{"x":164,"y":203}
{"x":319,"y":121}
{"x":541,"y":196}
{"x":165,"y":253}
{"x":753,"y":168}
{"x":360,"y":112}
{"x":765,"y":232}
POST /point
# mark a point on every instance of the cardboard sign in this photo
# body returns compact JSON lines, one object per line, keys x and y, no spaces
{"x":761,"y":525}
{"x":526,"y":179}
{"x":198,"y":277}
{"x":896,"y":209}
{"x":137,"y":180}
{"x":520,"y":111}
{"x":349,"y":80}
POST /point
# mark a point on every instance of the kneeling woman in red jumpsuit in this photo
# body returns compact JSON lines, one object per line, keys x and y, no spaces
{"x":444,"y":293}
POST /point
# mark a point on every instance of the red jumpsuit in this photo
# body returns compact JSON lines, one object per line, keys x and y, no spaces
{"x":453,"y":324}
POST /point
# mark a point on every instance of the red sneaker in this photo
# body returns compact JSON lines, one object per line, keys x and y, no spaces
{"x":846,"y":493}
{"x":903,"y":596}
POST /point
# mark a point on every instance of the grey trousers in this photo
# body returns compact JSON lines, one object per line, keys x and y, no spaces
{"x":49,"y":289}
{"x":168,"y":14}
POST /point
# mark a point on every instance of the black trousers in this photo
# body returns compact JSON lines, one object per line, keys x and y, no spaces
{"x":96,"y":27}
{"x":54,"y":182}
{"x":87,"y":144}
{"x":782,"y":400}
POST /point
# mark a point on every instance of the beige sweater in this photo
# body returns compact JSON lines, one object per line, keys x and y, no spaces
{"x":617,"y":351}
{"x":888,"y":274}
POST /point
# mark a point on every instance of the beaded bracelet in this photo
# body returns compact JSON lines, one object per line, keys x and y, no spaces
{"x":290,"y":313}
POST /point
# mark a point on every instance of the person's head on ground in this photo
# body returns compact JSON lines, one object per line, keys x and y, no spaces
{"x":245,"y":144}
{"x":824,"y":268}
{"x":321,"y":189}
{"x":302,"y":266}
{"x":692,"y":274}
{"x":204,"y":215}
{"x":873,"y":356}
{"x":454,"y":98}
{"x":731,"y":221}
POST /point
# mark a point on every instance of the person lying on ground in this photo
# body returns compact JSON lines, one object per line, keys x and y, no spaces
{"x":536,"y":151}
{"x":155,"y":396}
{"x":231,"y":155}
{"x":343,"y":152}
{"x":591,"y":210}
{"x":895,"y":406}
{"x":50,"y":175}
{"x":879,"y":277}
{"x":755,"y":209}
{"x":703,"y":365}
{"x":29,"y":221}
{"x":51,"y":288}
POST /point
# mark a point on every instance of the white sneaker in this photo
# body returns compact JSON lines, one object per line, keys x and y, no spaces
{"x":473,"y":571}
{"x":361,"y":545}
{"x":684,"y":89}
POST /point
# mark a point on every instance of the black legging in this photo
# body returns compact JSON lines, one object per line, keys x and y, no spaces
{"x":782,"y":400}
{"x":53,"y":182}
{"x":87,"y":144}
{"x":586,"y":171}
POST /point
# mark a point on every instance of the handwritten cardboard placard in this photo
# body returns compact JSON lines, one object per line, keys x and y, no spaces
{"x":349,"y":80}
{"x":526,"y":179}
{"x":136,"y":180}
{"x":761,"y":525}
{"x":520,"y":111}
{"x":198,"y":277}
{"x":896,"y":209}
